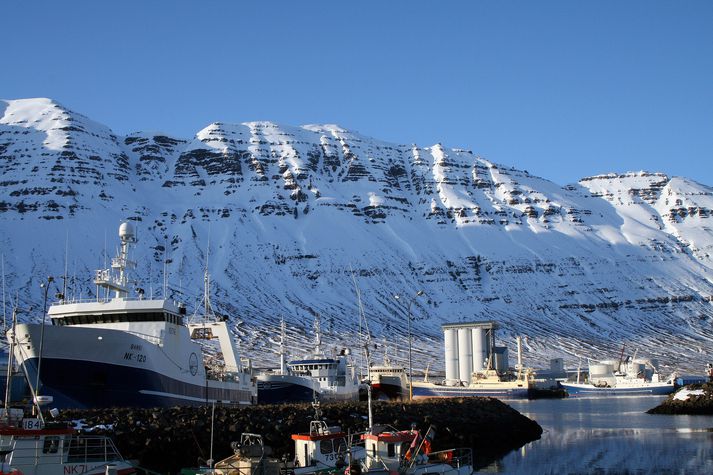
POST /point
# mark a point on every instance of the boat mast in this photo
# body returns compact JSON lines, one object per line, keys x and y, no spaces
{"x":10,"y":356}
{"x":317,"y":338}
{"x":121,"y":263}
{"x":621,"y":357}
{"x":362,"y":319}
{"x":282,"y":346}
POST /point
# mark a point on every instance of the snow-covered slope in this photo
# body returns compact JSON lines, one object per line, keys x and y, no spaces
{"x":293,"y":216}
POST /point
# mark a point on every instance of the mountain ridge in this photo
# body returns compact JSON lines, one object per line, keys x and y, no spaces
{"x":291,"y":214}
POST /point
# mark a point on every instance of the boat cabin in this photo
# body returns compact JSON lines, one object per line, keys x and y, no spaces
{"x":29,"y":447}
{"x":322,"y":447}
{"x":387,"y":449}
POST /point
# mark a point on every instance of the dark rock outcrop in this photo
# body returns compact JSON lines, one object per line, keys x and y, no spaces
{"x":695,"y":404}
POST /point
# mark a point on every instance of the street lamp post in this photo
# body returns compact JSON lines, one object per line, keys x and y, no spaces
{"x":410,"y":366}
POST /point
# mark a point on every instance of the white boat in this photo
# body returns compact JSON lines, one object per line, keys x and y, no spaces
{"x":121,"y":351}
{"x":630,"y":378}
{"x":406,"y":452}
{"x":335,"y":375}
{"x":388,"y":381}
{"x":250,"y":456}
{"x":282,"y":386}
{"x":489,"y":378}
{"x":487,"y":383}
{"x":29,"y":447}
{"x":324,"y":448}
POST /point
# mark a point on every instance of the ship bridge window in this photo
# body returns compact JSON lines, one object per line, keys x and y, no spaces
{"x":118,"y":318}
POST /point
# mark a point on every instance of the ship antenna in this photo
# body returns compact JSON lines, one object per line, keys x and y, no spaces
{"x":362,"y":318}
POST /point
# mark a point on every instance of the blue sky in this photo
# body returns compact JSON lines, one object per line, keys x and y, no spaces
{"x":561,"y":89}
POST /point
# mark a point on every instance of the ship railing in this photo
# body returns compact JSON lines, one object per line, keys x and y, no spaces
{"x":57,"y":449}
{"x":456,"y":458}
{"x":145,"y":336}
{"x":223,"y":373}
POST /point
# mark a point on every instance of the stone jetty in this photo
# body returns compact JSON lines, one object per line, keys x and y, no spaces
{"x":691,"y":400}
{"x":166,"y":440}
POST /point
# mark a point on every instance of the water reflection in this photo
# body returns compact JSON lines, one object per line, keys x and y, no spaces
{"x":608,"y":436}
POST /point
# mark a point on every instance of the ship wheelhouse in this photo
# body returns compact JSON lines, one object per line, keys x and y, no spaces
{"x":119,"y":317}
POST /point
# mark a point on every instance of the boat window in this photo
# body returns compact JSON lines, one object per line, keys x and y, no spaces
{"x":391,"y":450}
{"x":51,"y":445}
{"x":326,"y":447}
{"x":118,"y":317}
{"x":340,"y":445}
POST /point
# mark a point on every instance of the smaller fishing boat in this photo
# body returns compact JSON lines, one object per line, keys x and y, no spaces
{"x":633,"y":377}
{"x":28,"y":446}
{"x":250,"y":456}
{"x":324,"y":448}
{"x":407,"y":452}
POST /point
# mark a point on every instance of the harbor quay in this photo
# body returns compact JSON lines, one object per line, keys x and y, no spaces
{"x":166,"y":440}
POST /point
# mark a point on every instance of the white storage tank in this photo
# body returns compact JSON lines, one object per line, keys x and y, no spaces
{"x":465,"y":355}
{"x":450,"y":337}
{"x":601,"y":369}
{"x":480,"y":349}
{"x":635,"y":369}
{"x":602,"y":374}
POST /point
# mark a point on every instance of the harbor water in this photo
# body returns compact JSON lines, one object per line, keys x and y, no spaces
{"x":610,"y":436}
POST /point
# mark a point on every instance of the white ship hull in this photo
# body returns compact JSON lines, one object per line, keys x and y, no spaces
{"x":105,"y":367}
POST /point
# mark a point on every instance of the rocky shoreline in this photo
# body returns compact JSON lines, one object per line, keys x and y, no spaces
{"x":166,"y":440}
{"x":693,"y":399}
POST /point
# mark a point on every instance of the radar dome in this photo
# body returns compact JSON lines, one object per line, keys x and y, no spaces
{"x":126,"y":232}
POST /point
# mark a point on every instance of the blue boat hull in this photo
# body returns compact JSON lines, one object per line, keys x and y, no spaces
{"x":460,"y":391}
{"x":654,"y":390}
{"x":282,"y":392}
{"x":86,"y":384}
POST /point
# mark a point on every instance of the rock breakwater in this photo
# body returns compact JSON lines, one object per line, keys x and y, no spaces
{"x":694,"y":399}
{"x":165,"y":440}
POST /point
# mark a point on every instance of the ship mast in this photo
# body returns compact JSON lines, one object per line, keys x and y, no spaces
{"x":282,"y":346}
{"x":107,"y":279}
{"x":317,"y":338}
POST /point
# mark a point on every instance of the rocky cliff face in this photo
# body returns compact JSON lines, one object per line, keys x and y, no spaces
{"x":294,"y":217}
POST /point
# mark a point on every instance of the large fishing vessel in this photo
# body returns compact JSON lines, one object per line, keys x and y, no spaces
{"x":331,"y":378}
{"x":633,"y":377}
{"x":476,"y":367}
{"x":122,"y":351}
{"x":283,"y":385}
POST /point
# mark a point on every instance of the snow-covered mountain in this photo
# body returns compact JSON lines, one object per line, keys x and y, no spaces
{"x":293,"y":217}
